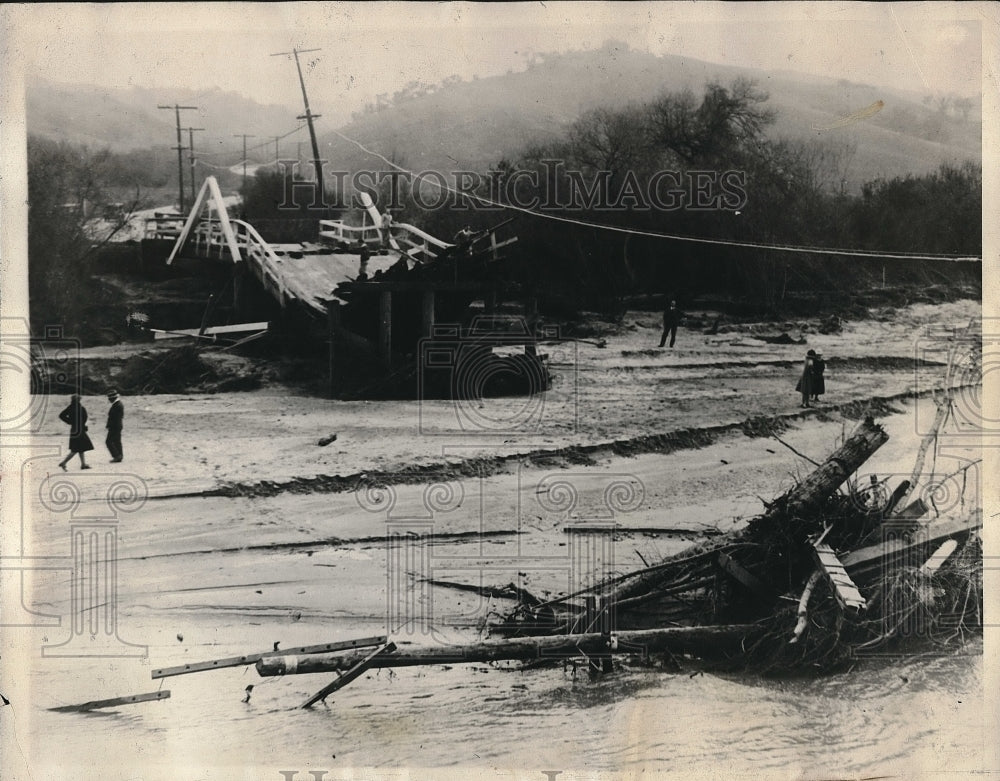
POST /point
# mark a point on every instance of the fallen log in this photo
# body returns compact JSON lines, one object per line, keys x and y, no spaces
{"x":806,"y":497}
{"x":697,"y":640}
{"x":799,"y":502}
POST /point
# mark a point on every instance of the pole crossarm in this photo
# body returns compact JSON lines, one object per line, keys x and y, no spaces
{"x":177,"y":108}
{"x":308,"y":116}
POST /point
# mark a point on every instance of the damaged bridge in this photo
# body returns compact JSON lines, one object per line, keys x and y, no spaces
{"x":376,"y":295}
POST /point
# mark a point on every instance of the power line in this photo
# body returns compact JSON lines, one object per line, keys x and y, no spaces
{"x":674,"y":237}
{"x":225,"y":153}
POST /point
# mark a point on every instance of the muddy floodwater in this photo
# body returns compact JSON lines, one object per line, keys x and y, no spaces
{"x":891,"y":718}
{"x":229,"y":529}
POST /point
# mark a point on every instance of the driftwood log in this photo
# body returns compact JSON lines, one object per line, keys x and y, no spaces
{"x":705,"y":641}
{"x":799,"y":502}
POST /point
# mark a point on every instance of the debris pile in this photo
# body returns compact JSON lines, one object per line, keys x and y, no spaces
{"x":821,"y":576}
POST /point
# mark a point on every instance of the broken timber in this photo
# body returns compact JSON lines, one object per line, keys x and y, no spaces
{"x":355,"y":672}
{"x":871,"y":560}
{"x":702,"y":640}
{"x":847,"y":594}
{"x":236,"y":661}
{"x":799,"y":502}
{"x":130,"y":700}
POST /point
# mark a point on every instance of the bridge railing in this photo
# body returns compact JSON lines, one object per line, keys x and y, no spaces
{"x":408,"y":237}
{"x":163,"y":227}
{"x":208,"y":240}
{"x":265,"y":260}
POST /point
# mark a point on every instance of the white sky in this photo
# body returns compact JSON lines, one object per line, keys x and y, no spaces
{"x":369,"y":48}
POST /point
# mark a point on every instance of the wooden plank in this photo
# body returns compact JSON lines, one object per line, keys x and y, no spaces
{"x":236,"y":661}
{"x":929,"y":535}
{"x":210,"y":331}
{"x":844,"y":590}
{"x":744,"y":576}
{"x":353,"y":673}
{"x":130,"y":700}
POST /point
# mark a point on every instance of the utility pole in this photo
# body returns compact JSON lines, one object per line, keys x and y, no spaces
{"x":244,"y":136}
{"x":180,"y":151}
{"x":277,"y":156}
{"x":308,"y":117}
{"x":191,"y":131}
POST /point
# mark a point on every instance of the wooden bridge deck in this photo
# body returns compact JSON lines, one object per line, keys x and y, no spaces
{"x":311,"y":276}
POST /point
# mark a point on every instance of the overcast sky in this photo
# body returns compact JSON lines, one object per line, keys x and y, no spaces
{"x":370,"y":48}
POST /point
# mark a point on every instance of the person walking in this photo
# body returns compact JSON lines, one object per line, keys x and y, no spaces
{"x":79,"y":443}
{"x":818,"y":381}
{"x":805,"y":383}
{"x":116,"y":416}
{"x":671,"y":319}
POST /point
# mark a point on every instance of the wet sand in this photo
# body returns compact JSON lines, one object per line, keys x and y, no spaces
{"x":300,"y":561}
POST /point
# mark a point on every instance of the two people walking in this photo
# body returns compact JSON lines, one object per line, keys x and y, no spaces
{"x":811,"y":382}
{"x":75,"y":415}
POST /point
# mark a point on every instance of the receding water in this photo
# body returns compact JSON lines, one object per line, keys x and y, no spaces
{"x":886,"y":717}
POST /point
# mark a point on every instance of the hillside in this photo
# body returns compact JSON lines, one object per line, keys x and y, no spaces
{"x":470,"y":125}
{"x":128,"y":119}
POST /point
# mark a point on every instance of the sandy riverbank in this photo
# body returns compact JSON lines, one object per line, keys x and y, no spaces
{"x":201,"y":574}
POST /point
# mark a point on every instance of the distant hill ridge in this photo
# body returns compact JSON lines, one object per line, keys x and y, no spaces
{"x":468,"y":125}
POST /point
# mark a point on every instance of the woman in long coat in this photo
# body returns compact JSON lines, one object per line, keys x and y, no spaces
{"x":805,"y":384}
{"x":79,"y":443}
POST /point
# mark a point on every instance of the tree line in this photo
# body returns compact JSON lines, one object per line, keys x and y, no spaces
{"x":780,"y":192}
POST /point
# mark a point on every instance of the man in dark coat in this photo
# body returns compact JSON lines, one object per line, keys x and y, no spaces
{"x":671,"y":319}
{"x":116,"y":417}
{"x":819,"y":382}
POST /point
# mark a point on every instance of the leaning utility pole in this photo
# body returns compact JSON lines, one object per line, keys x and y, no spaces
{"x":308,"y":117}
{"x":191,"y":131}
{"x":180,"y":151}
{"x":244,"y":136}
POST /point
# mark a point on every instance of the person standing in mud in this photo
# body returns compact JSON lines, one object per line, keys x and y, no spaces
{"x":116,"y":418}
{"x":671,"y":319}
{"x":805,"y":383}
{"x":818,"y":382}
{"x":386,"y":228}
{"x":364,"y":255}
{"x":463,"y":239}
{"x":79,"y":443}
